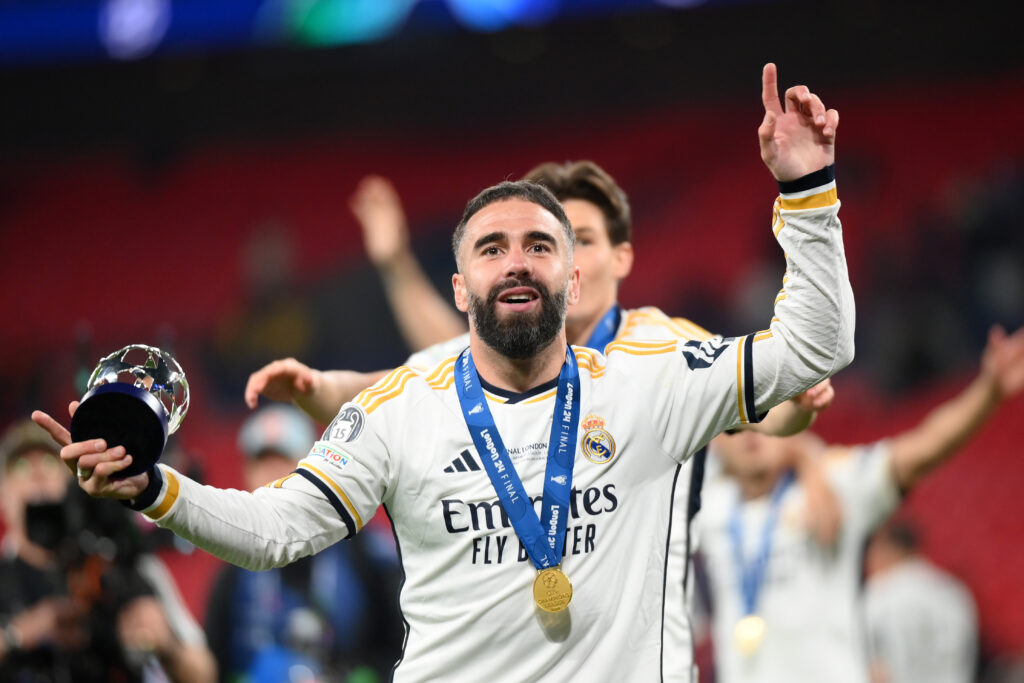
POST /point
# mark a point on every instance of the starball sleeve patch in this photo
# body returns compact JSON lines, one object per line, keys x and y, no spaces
{"x":347,"y":426}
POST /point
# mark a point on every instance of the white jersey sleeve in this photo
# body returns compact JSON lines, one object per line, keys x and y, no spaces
{"x":257,"y":530}
{"x":811,"y":336}
{"x":330,"y":495}
{"x":709,"y":386}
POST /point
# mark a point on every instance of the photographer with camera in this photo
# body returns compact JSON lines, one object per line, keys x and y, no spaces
{"x":81,"y":598}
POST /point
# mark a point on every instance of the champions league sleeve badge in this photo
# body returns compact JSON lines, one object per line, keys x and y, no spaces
{"x":347,"y":426}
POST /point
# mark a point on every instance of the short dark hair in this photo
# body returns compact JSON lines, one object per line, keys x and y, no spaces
{"x":587,"y":181}
{"x":519,"y":189}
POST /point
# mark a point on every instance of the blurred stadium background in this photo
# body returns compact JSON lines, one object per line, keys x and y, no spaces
{"x":176,"y":172}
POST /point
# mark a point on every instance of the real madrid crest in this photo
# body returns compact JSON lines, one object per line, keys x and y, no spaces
{"x":597,"y":444}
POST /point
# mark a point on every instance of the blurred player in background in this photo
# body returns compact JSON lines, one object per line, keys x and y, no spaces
{"x":784,"y":605}
{"x":334,"y":614}
{"x":81,"y":598}
{"x":921,"y":621}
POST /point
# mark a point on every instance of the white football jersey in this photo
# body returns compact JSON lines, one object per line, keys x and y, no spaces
{"x":467,"y":595}
{"x":809,"y":598}
{"x":648,"y":322}
{"x":922,"y":624}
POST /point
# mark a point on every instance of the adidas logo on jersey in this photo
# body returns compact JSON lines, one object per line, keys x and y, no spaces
{"x":464,"y":463}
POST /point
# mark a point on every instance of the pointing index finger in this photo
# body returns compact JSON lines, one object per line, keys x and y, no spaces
{"x":56,"y":430}
{"x":770,"y":89}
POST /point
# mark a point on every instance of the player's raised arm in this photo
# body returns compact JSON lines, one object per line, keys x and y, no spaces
{"x":319,"y":393}
{"x":811,"y":336}
{"x":918,"y":450}
{"x":423,"y":315}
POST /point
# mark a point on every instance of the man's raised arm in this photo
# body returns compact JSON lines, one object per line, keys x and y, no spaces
{"x":320,"y":393}
{"x":948,"y":427}
{"x":423,"y":316}
{"x":811,"y":336}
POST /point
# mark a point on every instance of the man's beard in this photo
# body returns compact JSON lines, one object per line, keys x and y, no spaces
{"x":520,"y":335}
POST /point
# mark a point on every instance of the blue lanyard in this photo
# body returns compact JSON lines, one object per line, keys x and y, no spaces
{"x":752,"y":574}
{"x":606,"y":328}
{"x":543,"y":538}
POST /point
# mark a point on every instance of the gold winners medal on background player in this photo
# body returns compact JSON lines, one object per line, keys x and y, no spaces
{"x":748,"y":634}
{"x":552,"y":590}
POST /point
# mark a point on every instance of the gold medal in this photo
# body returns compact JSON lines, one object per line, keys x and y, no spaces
{"x":552,"y":590}
{"x":749,"y":633}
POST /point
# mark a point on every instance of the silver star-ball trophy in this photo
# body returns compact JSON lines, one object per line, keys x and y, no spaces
{"x":136,"y":398}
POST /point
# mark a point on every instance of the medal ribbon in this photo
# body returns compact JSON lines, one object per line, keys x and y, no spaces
{"x":543,"y":538}
{"x":752,"y":574}
{"x":606,"y":328}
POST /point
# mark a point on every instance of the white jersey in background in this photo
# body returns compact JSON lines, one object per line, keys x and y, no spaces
{"x":809,"y":598}
{"x":922,"y":624}
{"x":467,"y":596}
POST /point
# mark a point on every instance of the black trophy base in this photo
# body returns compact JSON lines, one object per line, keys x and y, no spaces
{"x":123,"y":415}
